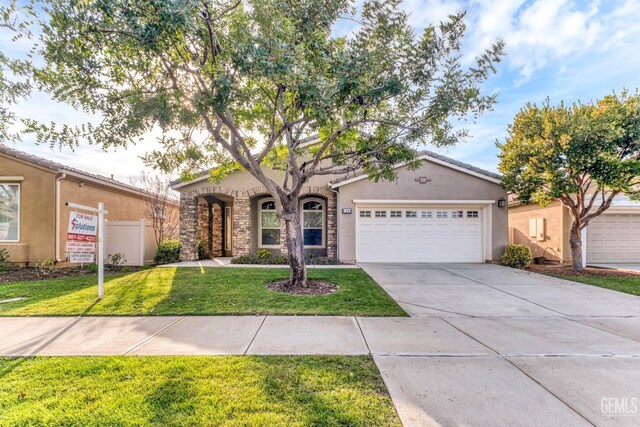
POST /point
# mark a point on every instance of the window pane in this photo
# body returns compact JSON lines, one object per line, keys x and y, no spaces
{"x":312,"y":220}
{"x":9,"y":211}
{"x":365,"y":214}
{"x":270,"y":220}
{"x":269,"y":206}
{"x":313,"y":237}
{"x":312,"y":206}
{"x":270,"y":236}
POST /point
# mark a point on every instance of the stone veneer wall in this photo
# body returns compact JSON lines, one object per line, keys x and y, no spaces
{"x":218,"y":245}
{"x":242,"y":220}
{"x":188,"y":229}
{"x":203,"y":225}
{"x":241,"y":226}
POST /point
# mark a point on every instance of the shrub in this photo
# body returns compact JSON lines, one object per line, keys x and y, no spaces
{"x":321,"y":260}
{"x":4,"y":256}
{"x":91,"y":268}
{"x":202,"y":250}
{"x":43,"y":267}
{"x":516,"y":256}
{"x":264,"y":253}
{"x":168,"y":251}
{"x":116,"y":260}
{"x":261,"y":258}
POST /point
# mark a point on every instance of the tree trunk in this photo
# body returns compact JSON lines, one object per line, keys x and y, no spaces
{"x":295,"y":246}
{"x":575,"y":241}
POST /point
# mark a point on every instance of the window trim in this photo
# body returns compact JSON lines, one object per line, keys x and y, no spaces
{"x":260,"y":228}
{"x":19,"y":198}
{"x":324,"y":221}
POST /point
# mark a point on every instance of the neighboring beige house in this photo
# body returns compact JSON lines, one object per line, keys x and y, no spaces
{"x":33,"y":215}
{"x":445,"y":211}
{"x":613,"y":237}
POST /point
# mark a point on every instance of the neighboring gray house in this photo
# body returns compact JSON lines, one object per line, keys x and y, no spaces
{"x":445,"y":211}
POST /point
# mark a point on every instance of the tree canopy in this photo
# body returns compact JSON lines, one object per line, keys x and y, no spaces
{"x":582,"y":154}
{"x":244,"y":84}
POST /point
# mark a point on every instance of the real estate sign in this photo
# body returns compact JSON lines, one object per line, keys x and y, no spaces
{"x":81,"y":247}
{"x":81,"y":237}
{"x":82,"y":227}
{"x":80,"y":257}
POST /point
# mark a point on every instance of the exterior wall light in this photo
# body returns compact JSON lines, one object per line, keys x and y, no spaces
{"x":502,"y":203}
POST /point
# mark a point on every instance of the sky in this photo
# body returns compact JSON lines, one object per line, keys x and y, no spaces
{"x":563,"y":50}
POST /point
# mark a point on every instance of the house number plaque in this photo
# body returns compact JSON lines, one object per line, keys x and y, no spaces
{"x":423,"y":179}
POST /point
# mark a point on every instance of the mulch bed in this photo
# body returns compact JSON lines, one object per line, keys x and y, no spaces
{"x":588,"y":272}
{"x":314,"y":287}
{"x":28,"y":274}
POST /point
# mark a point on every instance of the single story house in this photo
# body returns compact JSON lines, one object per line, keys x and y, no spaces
{"x":445,"y":211}
{"x":34,"y":218}
{"x":613,"y":237}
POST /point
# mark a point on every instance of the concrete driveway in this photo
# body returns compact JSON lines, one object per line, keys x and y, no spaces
{"x":506,"y":347}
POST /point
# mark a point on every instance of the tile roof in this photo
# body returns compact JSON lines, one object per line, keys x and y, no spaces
{"x":58,"y":167}
{"x":199,"y":175}
{"x":440,"y":157}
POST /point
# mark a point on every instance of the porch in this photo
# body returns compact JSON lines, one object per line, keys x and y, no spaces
{"x":218,"y":222}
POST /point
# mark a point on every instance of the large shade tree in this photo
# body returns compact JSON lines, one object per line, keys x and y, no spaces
{"x":582,"y":154}
{"x":244,"y":84}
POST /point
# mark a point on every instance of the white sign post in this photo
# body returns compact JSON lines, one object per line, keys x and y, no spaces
{"x":81,"y":237}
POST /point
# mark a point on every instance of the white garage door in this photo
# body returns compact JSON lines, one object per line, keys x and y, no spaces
{"x":400,"y":234}
{"x":614,"y":238}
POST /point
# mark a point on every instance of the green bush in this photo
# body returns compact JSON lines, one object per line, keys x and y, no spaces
{"x":4,"y":256}
{"x":265,"y":257}
{"x":516,"y":256}
{"x":321,"y":260}
{"x":261,"y":258}
{"x":264,"y":253}
{"x":202,"y":250}
{"x":168,"y":252}
{"x":91,"y":268}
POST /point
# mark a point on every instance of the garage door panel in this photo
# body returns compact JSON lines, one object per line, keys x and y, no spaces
{"x":418,"y":238}
{"x":614,"y":238}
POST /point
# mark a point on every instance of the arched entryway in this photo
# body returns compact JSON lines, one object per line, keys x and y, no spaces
{"x":214,"y":231}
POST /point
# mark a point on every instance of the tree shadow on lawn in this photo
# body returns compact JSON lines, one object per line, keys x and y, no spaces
{"x":237,"y":291}
{"x":134,"y":293}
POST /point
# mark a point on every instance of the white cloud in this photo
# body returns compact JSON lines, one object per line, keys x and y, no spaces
{"x":425,"y":12}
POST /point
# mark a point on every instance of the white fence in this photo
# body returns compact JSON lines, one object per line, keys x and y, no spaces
{"x":134,"y":239}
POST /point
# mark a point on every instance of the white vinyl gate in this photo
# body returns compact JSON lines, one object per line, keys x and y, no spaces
{"x":425,"y":234}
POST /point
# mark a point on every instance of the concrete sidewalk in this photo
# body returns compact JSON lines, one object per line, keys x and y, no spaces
{"x":308,"y":335}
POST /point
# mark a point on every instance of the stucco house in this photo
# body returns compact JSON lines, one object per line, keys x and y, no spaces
{"x":445,"y":211}
{"x":33,"y":215}
{"x":613,"y":237}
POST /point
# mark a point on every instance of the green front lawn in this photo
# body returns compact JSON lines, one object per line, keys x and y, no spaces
{"x":184,"y":291}
{"x":629,"y":284}
{"x":194,"y":391}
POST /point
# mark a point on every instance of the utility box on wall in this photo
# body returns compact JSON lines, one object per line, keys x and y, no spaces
{"x":536,"y":229}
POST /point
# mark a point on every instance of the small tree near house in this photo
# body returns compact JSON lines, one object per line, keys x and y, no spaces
{"x":245,"y":84}
{"x":161,"y":205}
{"x":584,"y":155}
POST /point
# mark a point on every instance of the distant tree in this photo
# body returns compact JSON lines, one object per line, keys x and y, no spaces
{"x":584,"y":155}
{"x":244,"y":84}
{"x":161,"y":205}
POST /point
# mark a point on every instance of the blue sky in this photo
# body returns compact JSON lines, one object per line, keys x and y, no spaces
{"x":561,"y":49}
